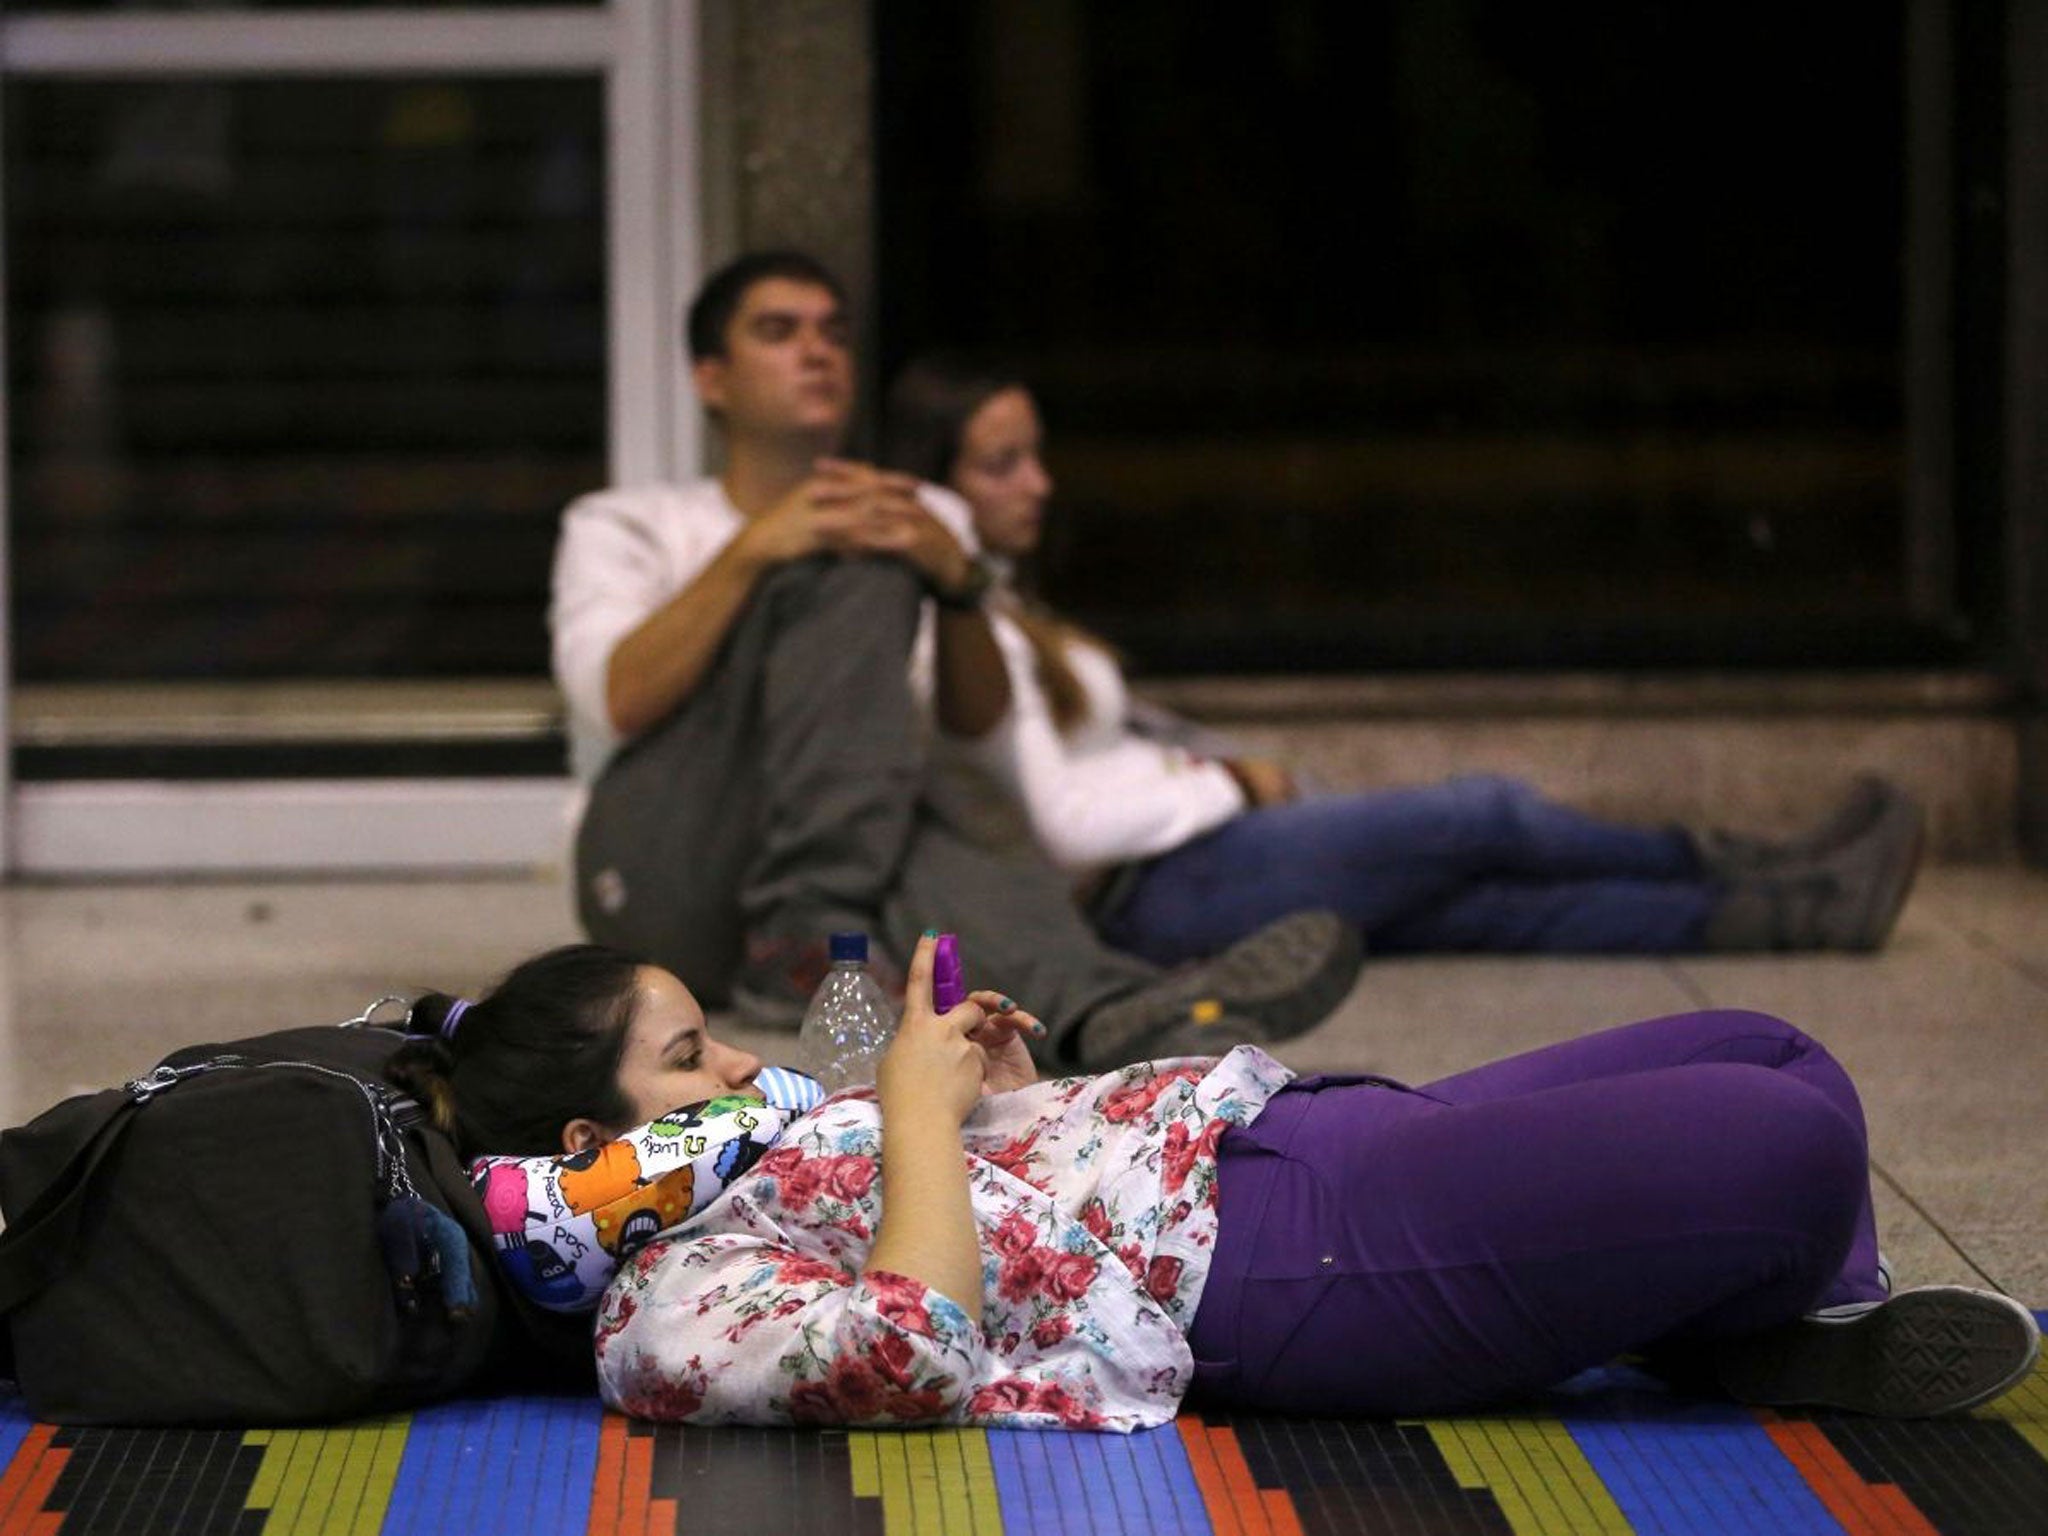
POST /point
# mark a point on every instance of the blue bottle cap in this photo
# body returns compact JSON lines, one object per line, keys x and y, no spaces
{"x":849,"y":946}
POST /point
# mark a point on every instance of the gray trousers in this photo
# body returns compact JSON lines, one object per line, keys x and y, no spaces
{"x":785,"y":797}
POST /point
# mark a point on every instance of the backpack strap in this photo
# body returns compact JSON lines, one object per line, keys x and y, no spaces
{"x":59,"y":1160}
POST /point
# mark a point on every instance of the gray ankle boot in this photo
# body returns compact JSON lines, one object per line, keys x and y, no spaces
{"x":1734,"y":855}
{"x":1847,"y":898}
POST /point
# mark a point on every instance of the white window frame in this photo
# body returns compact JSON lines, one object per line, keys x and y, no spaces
{"x":646,"y":53}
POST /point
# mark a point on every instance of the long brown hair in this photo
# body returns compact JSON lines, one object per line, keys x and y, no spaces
{"x":929,"y":407}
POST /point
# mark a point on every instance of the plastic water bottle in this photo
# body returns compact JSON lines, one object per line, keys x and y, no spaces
{"x":849,"y":1023}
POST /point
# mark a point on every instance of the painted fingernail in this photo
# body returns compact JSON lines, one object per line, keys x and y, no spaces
{"x":1037,"y":1027}
{"x":931,"y":933}
{"x":1009,"y":1005}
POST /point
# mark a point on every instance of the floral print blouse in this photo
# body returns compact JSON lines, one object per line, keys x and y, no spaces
{"x":1095,"y":1199}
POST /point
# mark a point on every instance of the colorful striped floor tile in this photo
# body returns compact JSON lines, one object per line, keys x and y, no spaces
{"x":1614,"y":1451}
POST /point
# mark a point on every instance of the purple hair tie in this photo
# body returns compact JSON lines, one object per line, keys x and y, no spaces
{"x":456,"y":1010}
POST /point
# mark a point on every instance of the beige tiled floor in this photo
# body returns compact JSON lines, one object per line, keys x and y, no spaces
{"x":1946,"y":1031}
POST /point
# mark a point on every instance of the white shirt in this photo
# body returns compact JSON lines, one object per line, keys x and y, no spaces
{"x":1099,"y":794}
{"x":622,"y":554}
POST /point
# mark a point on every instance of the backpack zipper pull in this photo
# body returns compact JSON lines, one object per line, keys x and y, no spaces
{"x":143,"y":1089}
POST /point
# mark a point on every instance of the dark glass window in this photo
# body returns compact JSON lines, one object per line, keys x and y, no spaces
{"x":301,"y":372}
{"x":1415,"y":332}
{"x":189,"y":7}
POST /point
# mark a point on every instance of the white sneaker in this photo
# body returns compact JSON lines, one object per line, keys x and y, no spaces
{"x":1858,"y":1308}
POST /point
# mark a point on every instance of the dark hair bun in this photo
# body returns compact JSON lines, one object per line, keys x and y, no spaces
{"x":421,"y":1068}
{"x":428,"y":1013}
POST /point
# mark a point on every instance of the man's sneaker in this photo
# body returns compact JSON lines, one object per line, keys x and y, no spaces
{"x":1267,"y":987}
{"x":1929,"y":1350}
{"x":1206,"y":1029}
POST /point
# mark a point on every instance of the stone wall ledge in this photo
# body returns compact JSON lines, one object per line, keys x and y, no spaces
{"x":1758,"y":750}
{"x":1644,"y":695}
{"x":224,"y":713}
{"x":484,"y":709}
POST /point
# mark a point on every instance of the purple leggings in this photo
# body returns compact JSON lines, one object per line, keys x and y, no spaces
{"x":1386,"y":1249}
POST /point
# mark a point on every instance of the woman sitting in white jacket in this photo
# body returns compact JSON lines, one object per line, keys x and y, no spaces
{"x":1188,"y":847}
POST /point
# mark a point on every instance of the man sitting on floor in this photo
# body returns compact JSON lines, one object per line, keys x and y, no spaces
{"x":734,"y":655}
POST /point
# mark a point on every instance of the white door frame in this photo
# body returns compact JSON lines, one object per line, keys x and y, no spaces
{"x":646,"y":52}
{"x":7,"y":817}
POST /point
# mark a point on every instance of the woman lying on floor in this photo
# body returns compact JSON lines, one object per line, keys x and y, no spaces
{"x":1694,"y":1188}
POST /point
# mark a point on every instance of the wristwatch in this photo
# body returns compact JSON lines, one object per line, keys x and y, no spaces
{"x":973,"y":588}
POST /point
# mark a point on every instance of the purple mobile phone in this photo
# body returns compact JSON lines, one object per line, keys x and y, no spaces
{"x":948,"y":986}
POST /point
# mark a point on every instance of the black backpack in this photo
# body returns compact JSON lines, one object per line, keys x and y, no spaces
{"x":261,"y":1232}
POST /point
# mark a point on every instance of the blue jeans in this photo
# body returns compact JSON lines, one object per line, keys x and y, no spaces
{"x":1474,"y":863}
